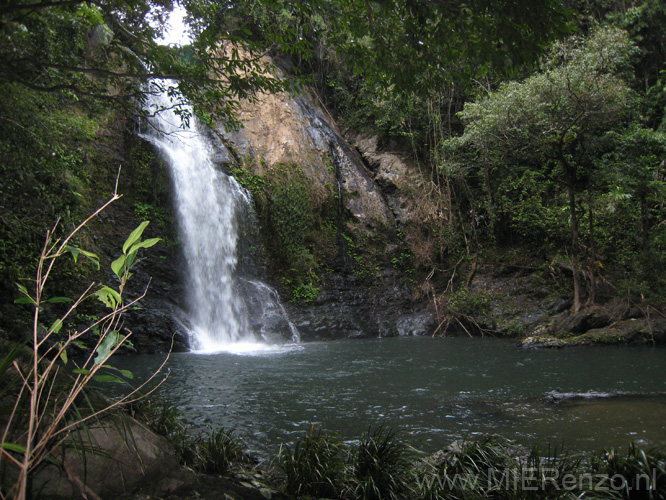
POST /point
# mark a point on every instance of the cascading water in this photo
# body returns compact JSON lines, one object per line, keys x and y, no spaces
{"x":208,"y":202}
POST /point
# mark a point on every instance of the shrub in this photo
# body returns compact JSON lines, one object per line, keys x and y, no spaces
{"x":49,"y":407}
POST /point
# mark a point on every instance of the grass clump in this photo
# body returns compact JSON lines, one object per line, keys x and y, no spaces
{"x":215,"y":453}
{"x":380,"y":466}
{"x":637,"y":474}
{"x":314,"y":465}
{"x":160,"y":415}
{"x":212,"y":453}
{"x":492,"y":467}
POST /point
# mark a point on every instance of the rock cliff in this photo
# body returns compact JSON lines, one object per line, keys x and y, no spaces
{"x":363,"y":284}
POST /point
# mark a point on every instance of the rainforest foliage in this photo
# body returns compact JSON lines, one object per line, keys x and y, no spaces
{"x":540,"y":125}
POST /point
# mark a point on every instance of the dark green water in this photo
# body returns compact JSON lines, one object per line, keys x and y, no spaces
{"x":434,"y":390}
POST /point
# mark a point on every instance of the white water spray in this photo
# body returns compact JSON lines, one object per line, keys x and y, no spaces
{"x":207,"y":202}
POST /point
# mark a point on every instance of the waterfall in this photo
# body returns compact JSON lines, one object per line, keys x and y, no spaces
{"x":208,"y":204}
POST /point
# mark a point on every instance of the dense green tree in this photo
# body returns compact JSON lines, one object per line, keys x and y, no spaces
{"x":635,"y":173}
{"x":109,"y":50}
{"x":554,"y":117}
{"x":420,"y":46}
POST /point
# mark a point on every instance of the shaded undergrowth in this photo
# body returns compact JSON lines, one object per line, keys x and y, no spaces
{"x":381,"y":466}
{"x":208,"y":453}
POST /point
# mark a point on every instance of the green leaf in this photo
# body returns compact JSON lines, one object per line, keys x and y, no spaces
{"x":135,"y":235}
{"x":13,"y":447}
{"x":55,"y":300}
{"x":56,"y":326}
{"x":131,"y":259}
{"x":25,"y":300}
{"x":118,"y":264}
{"x":104,"y":350}
{"x":110,"y":297}
{"x":63,"y":356}
{"x":109,"y":378}
{"x":81,"y":371}
{"x":144,"y":244}
{"x":125,"y":373}
{"x":75,"y":251}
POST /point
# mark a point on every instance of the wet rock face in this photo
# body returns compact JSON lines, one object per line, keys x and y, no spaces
{"x":154,"y":323}
{"x":349,"y":308}
{"x":281,"y":129}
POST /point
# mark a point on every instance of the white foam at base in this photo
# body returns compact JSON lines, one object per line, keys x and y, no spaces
{"x":248,"y":348}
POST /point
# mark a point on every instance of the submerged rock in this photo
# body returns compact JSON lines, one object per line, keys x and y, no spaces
{"x":556,"y":396}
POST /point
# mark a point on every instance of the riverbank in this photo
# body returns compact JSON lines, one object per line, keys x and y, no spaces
{"x":532,"y":304}
{"x":380,"y":465}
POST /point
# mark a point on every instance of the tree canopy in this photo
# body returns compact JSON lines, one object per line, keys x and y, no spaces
{"x":109,"y":50}
{"x":557,"y":121}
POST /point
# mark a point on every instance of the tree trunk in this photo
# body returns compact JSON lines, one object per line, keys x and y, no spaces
{"x":570,"y":174}
{"x":574,"y":247}
{"x":489,"y":196}
{"x":645,"y":235}
{"x":593,"y":247}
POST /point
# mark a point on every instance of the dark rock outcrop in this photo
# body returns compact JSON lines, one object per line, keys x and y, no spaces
{"x":628,"y":331}
{"x":349,"y":307}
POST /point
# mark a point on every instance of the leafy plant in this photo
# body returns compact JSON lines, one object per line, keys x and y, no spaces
{"x":460,"y":308}
{"x":145,"y":211}
{"x":217,"y":451}
{"x":160,"y":415}
{"x":464,"y":472}
{"x":45,"y":414}
{"x":291,"y":214}
{"x":308,"y":291}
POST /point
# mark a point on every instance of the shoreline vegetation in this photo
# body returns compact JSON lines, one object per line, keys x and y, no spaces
{"x":320,"y":465}
{"x":379,"y":465}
